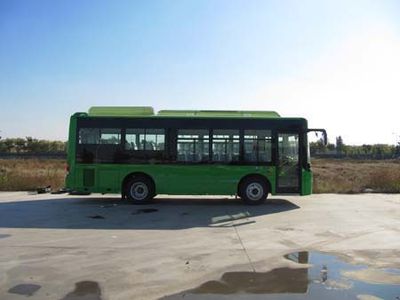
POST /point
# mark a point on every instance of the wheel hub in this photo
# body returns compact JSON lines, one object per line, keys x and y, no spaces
{"x":139,"y":191}
{"x":254,"y":191}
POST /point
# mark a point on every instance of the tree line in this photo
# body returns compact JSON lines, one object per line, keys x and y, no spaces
{"x":366,"y":151}
{"x":31,"y":145}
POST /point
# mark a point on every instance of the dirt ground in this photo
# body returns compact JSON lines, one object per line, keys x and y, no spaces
{"x":94,"y":247}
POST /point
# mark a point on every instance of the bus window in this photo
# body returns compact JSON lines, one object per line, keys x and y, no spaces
{"x":96,"y":136}
{"x":145,"y":139}
{"x":225,"y":145}
{"x":257,"y":145}
{"x":193,"y":145}
{"x":155,"y":139}
{"x":110,"y":136}
{"x":89,"y":135}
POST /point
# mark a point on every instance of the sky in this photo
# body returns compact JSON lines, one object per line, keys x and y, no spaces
{"x":336,"y":63}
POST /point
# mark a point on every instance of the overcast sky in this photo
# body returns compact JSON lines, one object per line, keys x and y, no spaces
{"x":336,"y":63}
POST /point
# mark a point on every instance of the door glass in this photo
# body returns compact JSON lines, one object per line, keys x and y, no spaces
{"x":288,"y":168}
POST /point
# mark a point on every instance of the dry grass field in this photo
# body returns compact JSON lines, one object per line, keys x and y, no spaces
{"x":330,"y":176}
{"x":29,"y":174}
{"x":355,"y":176}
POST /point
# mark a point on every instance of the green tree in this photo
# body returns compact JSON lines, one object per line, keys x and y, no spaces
{"x":331,"y":147}
{"x":317,"y":147}
{"x":397,"y":149}
{"x":339,"y":145}
{"x":19,"y":145}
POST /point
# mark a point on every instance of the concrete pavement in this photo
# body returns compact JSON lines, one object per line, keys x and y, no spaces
{"x":59,"y":246}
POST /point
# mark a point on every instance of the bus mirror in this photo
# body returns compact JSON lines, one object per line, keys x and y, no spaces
{"x":324,"y":135}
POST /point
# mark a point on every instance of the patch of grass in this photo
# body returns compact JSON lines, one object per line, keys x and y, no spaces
{"x":386,"y":180}
{"x":29,"y":174}
{"x":354,"y":176}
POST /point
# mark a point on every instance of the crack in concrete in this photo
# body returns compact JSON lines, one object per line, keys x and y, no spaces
{"x":244,"y":249}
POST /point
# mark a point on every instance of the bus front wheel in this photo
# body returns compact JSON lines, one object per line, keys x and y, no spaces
{"x":139,"y":190}
{"x":253,"y":190}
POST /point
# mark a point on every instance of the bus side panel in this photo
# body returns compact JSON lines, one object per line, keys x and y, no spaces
{"x":199,"y":179}
{"x":107,"y":180}
{"x":170,"y":179}
{"x":97,"y":178}
{"x":82,"y":178}
{"x":306,"y":182}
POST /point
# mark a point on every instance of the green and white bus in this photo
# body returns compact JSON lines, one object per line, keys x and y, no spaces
{"x":135,"y":152}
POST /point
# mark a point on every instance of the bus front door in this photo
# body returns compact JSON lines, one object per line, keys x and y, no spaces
{"x":288,"y":167}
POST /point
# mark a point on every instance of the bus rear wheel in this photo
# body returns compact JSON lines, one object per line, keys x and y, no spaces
{"x":139,"y":190}
{"x":253,"y":190}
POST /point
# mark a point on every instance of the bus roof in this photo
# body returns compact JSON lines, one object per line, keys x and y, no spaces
{"x":147,"y":111}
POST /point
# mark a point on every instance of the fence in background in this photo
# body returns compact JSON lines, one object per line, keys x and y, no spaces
{"x":37,"y":155}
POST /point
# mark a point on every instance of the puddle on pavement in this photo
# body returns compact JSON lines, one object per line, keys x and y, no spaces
{"x":3,"y":236}
{"x":109,"y":205}
{"x":25,"y":289}
{"x":316,"y":276}
{"x":85,"y":290}
{"x":96,"y":217}
{"x":144,"y":211}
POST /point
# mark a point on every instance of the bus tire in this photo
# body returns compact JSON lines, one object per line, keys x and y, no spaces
{"x":253,"y":190}
{"x":139,"y":190}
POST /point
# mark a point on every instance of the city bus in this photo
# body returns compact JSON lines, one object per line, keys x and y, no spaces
{"x":137,"y":153}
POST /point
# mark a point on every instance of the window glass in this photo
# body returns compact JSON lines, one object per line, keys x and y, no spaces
{"x":288,"y":158}
{"x":257,"y":145}
{"x":89,"y":136}
{"x":99,"y":136}
{"x":110,"y":136}
{"x":193,"y":145}
{"x":133,"y":139}
{"x":145,"y":139}
{"x":225,"y":145}
{"x":288,"y":147}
